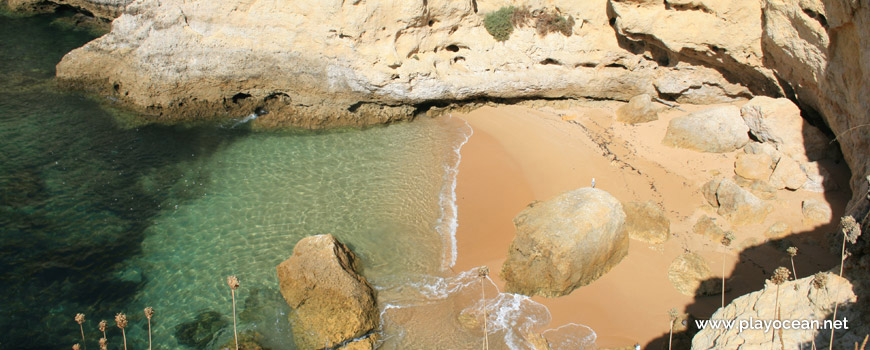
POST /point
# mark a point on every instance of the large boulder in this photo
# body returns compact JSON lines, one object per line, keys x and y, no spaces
{"x":807,"y":299}
{"x":717,"y":129}
{"x":645,"y":221}
{"x":779,"y":121}
{"x":738,"y":205}
{"x":332,"y":304}
{"x":565,"y":243}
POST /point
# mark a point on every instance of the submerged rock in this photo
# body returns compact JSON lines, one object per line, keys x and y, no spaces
{"x":565,"y":243}
{"x":332,"y":304}
{"x":199,"y":332}
{"x":717,"y":129}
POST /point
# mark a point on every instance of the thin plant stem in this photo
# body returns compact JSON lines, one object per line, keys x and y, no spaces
{"x":485,"y":316}
{"x":149,"y":334}
{"x":723,"y":276}
{"x":776,"y":313}
{"x":83,"y":333}
{"x":124,"y":334}
{"x":671,"y":334}
{"x":836,"y":301}
{"x":792,"y":268}
{"x":235,"y":332}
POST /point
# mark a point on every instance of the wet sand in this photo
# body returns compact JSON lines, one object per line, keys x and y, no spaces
{"x":519,"y":154}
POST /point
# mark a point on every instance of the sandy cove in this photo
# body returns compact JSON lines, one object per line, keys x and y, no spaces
{"x":520,"y":154}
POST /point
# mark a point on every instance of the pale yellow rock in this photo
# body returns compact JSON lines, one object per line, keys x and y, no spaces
{"x":753,"y":166}
{"x":779,"y":122}
{"x":645,"y":221}
{"x":787,"y":174}
{"x":639,"y":109}
{"x":796,"y":300}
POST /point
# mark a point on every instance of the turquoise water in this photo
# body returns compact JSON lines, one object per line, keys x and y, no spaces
{"x":100,"y":218}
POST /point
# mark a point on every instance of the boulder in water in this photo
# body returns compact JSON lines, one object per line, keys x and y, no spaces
{"x":332,"y":304}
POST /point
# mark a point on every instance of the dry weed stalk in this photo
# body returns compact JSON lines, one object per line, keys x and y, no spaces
{"x":121,"y":322}
{"x":851,"y":231}
{"x":727,"y":239}
{"x":103,"y":325}
{"x":104,"y":344}
{"x":233,"y":282}
{"x":780,"y":275}
{"x":792,"y":251}
{"x":482,"y":273}
{"x":672,"y":315}
{"x":863,"y":344}
{"x":149,"y":311}
{"x":80,"y":319}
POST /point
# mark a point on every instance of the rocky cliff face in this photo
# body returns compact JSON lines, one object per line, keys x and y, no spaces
{"x":360,"y":62}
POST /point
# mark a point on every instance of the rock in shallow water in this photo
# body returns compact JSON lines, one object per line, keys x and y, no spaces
{"x":332,"y":304}
{"x":565,"y":243}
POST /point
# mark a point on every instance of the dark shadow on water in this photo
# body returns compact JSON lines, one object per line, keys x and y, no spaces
{"x":77,"y":192}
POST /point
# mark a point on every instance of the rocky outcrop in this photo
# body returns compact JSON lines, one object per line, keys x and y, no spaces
{"x":739,"y":206}
{"x":639,"y":109}
{"x":105,"y":10}
{"x":332,"y":63}
{"x":717,"y":129}
{"x":820,"y":49}
{"x":565,"y":243}
{"x":332,"y":304}
{"x":779,"y":122}
{"x":810,"y":298}
{"x":645,"y":222}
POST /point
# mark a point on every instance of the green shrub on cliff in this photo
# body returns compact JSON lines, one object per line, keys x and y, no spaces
{"x":498,"y":23}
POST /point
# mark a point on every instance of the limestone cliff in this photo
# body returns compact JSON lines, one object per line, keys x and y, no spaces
{"x":105,"y":10}
{"x":317,"y":64}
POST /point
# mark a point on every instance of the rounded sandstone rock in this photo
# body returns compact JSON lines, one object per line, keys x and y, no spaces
{"x":645,"y":221}
{"x":565,"y":243}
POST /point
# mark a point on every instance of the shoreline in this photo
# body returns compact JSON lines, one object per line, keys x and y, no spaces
{"x":518,"y":155}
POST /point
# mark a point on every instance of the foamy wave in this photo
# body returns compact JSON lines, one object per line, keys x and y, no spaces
{"x":448,"y":222}
{"x":452,"y":308}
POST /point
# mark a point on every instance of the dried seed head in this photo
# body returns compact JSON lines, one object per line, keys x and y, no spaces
{"x":104,"y":344}
{"x":103,"y":324}
{"x":483,"y":271}
{"x":792,"y":251}
{"x":672,"y":314}
{"x":728,"y":238}
{"x":80,"y":318}
{"x":780,"y":275}
{"x":149,"y":311}
{"x":233,"y":282}
{"x":850,"y":228}
{"x":121,"y":320}
{"x":77,"y":347}
{"x":820,"y":280}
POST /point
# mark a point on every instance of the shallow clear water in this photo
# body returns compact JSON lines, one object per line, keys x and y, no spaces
{"x":99,"y":218}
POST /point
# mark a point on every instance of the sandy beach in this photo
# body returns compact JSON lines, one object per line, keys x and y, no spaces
{"x":520,"y":154}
